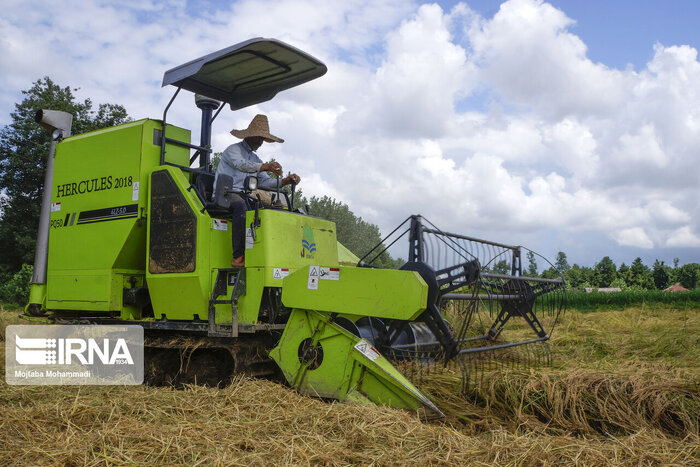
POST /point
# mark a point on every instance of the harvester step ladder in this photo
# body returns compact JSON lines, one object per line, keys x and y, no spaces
{"x":224,"y":276}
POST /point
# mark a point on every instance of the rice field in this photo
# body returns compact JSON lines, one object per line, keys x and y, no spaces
{"x":623,"y":389}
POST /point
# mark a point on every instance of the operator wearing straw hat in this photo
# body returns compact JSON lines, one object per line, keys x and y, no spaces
{"x":239,"y":160}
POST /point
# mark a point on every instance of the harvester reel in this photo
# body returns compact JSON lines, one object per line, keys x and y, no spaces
{"x":480,"y":302}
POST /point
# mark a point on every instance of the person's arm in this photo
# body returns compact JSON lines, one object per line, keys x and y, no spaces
{"x":266,"y":182}
{"x":269,"y":183}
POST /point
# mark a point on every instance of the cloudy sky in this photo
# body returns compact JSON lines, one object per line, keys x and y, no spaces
{"x":567,"y":125}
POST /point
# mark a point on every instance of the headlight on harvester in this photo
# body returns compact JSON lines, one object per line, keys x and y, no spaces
{"x":251,"y":183}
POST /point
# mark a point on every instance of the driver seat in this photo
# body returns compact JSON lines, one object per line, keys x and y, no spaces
{"x":219,"y":204}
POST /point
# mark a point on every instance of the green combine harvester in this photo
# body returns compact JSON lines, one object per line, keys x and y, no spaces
{"x":131,"y":232}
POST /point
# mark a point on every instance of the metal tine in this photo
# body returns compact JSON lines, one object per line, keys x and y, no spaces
{"x":464,"y":369}
{"x":536,"y":356}
{"x":544,"y":354}
{"x":475,"y":375}
{"x":463,"y":362}
{"x":473,"y":380}
{"x":465,"y":377}
{"x":474,"y":367}
{"x":464,"y":312}
{"x":479,"y":366}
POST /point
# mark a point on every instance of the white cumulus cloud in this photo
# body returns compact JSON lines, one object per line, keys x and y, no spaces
{"x":497,"y":127}
{"x":633,"y":237}
{"x":683,"y":237}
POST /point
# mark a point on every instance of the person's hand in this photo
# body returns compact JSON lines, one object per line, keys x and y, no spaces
{"x":273,"y":167}
{"x":293,"y":178}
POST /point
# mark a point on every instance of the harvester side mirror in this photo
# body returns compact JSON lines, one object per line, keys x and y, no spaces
{"x":224,"y":184}
{"x":53,"y":120}
{"x":250,"y":183}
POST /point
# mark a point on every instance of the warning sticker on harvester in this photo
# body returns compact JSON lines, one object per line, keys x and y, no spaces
{"x":313,"y":278}
{"x":329,"y":274}
{"x":249,"y":240}
{"x":280,"y":273}
{"x":220,"y":225}
{"x":135,"y":191}
{"x":366,"y":349}
{"x":55,"y":207}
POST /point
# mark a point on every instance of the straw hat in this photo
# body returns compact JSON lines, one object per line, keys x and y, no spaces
{"x":258,"y":127}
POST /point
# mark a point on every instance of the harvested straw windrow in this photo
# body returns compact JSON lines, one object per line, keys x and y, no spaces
{"x":260,"y":422}
{"x":584,"y":402}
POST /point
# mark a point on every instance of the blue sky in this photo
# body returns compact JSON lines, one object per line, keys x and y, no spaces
{"x":621,"y":32}
{"x":561,"y":125}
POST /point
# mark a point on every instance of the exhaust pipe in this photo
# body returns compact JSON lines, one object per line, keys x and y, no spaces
{"x":207,"y":106}
{"x":59,"y":124}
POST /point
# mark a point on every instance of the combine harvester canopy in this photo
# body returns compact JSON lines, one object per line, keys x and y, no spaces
{"x":132,"y":232}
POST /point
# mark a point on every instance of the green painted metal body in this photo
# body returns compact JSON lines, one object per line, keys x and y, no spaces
{"x":97,"y":240}
{"x":345,"y":372}
{"x":121,"y":220}
{"x":382,"y":293}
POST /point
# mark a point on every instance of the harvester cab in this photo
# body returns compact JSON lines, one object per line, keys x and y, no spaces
{"x":132,"y":232}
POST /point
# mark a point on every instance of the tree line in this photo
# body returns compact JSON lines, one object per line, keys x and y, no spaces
{"x":605,"y":273}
